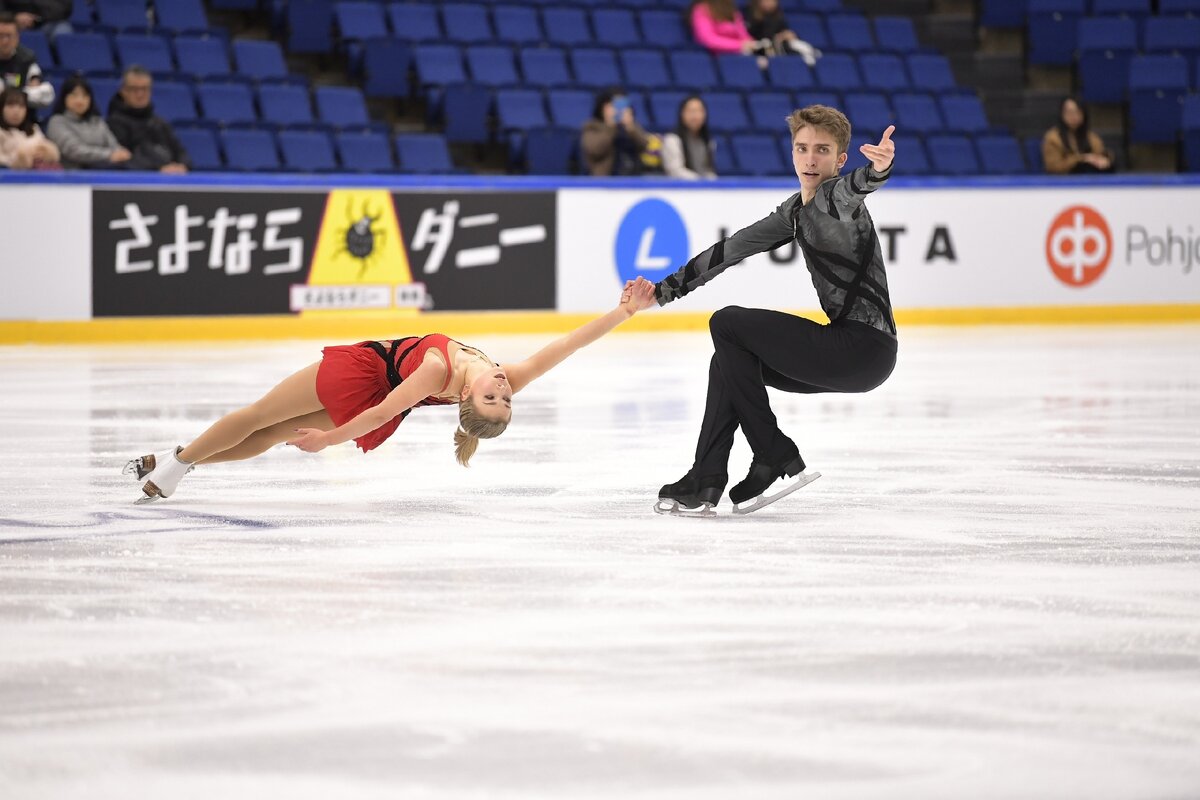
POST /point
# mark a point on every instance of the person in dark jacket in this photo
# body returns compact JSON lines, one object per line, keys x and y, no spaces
{"x":147,"y":136}
{"x":50,"y":16}
{"x":18,"y":65}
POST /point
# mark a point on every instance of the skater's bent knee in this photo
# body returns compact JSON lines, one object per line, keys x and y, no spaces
{"x":723,"y":318}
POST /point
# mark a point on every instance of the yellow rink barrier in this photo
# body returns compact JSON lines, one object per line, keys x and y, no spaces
{"x":347,"y":328}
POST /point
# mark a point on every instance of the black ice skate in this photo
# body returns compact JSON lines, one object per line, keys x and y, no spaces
{"x":751,"y":494}
{"x":691,"y":496}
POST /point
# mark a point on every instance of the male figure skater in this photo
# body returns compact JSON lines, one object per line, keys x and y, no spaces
{"x":756,"y":348}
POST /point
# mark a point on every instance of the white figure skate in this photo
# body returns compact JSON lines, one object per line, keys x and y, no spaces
{"x":161,"y":473}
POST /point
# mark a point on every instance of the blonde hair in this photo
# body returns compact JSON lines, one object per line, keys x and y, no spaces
{"x":824,"y":118}
{"x":473,"y":426}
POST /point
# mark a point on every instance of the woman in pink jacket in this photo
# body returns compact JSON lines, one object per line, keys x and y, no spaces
{"x":719,"y":26}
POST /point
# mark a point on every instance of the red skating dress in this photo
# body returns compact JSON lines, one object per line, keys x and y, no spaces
{"x":353,"y":378}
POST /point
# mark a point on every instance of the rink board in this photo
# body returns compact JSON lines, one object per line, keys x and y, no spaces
{"x":215,"y":258}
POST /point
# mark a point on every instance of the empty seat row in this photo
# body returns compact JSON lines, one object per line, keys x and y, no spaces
{"x":1015,"y":13}
{"x":178,"y":16}
{"x":316,"y":151}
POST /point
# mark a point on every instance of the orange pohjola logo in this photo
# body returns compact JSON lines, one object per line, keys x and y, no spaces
{"x":1078,"y":246}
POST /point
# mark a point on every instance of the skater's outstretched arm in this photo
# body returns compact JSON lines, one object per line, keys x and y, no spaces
{"x":636,"y":296}
{"x":425,"y":380}
{"x":847,"y":192}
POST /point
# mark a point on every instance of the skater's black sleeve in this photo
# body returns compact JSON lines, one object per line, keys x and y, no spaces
{"x":770,"y":232}
{"x":844,"y":195}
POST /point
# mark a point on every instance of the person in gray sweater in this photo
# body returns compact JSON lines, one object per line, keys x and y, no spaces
{"x":82,"y":135}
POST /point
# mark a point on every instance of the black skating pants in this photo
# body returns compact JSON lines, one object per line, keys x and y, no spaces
{"x":756,"y":348}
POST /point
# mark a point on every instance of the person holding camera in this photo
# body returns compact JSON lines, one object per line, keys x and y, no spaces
{"x":612,"y":140}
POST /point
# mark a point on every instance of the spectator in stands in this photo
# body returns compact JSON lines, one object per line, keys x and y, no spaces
{"x":82,"y":135}
{"x":147,"y":136}
{"x":766,"y":22}
{"x":19,"y":67}
{"x":50,"y":16}
{"x":613,"y":142}
{"x":688,"y":151}
{"x":1070,"y":147}
{"x":22,"y":145}
{"x":719,"y":26}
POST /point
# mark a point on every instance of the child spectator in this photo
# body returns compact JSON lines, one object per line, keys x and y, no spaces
{"x":22,"y":145}
{"x":688,"y":150}
{"x":82,"y":135}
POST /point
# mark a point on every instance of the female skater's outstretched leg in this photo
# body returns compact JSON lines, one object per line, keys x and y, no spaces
{"x":263,"y":440}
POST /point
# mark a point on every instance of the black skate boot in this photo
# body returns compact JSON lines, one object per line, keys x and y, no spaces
{"x":749,"y":495}
{"x":691,"y":496}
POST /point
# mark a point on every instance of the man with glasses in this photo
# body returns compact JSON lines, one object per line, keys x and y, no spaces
{"x":143,"y":133}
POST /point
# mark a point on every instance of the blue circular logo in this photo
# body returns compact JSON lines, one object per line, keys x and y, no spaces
{"x":652,"y":242}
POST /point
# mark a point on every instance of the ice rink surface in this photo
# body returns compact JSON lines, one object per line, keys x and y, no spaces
{"x":993,"y":592}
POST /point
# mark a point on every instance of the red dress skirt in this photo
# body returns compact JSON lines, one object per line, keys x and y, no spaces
{"x":353,"y":378}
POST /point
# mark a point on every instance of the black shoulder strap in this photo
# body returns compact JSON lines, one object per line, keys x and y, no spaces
{"x":390,"y":360}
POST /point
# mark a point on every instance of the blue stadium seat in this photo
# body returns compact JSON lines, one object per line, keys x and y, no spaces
{"x":1179,"y":6}
{"x":227,"y":103}
{"x":466,"y":23}
{"x":769,"y":109}
{"x":36,"y":41}
{"x":664,"y":109}
{"x":1002,"y":13}
{"x":952,"y":155}
{"x":757,"y":154}
{"x":386,"y":61}
{"x":810,"y":28}
{"x":251,"y":150}
{"x":1172,"y":35}
{"x":823,"y":6}
{"x":964,"y":113}
{"x":897,"y":35}
{"x":285,"y":105}
{"x":465,"y":109}
{"x":492,"y":65}
{"x":1052,"y":30}
{"x":664,"y":29}
{"x":201,"y":147}
{"x":616,"y":27}
{"x":517,"y":25}
{"x":438,"y":64}
{"x":911,"y":158}
{"x":182,"y":16}
{"x":1000,"y":155}
{"x":1130,"y":8}
{"x":85,"y":52}
{"x":810,"y":97}
{"x":344,"y":107}
{"x":548,"y":151}
{"x":365,"y":151}
{"x":693,"y":69}
{"x":103,"y":90}
{"x":235,"y":5}
{"x":202,"y":56}
{"x":1157,"y":85}
{"x":309,"y":25}
{"x":566,"y":26}
{"x":307,"y":151}
{"x":150,"y":51}
{"x":854,"y":157}
{"x":82,"y":16}
{"x":545,"y":67}
{"x":740,"y":72}
{"x":1105,"y":46}
{"x":884,"y":72}
{"x":726,"y":112}
{"x":520,"y":110}
{"x":415,"y":22}
{"x":723,"y":163}
{"x":358,"y":20}
{"x":645,"y":69}
{"x":917,"y":113}
{"x":423,"y":153}
{"x":1032,"y":145}
{"x":930,"y":72}
{"x":850,"y":32}
{"x":260,"y":60}
{"x":1190,"y":128}
{"x":869,"y":112}
{"x":570,"y":108}
{"x":174,"y":101}
{"x":122,"y":15}
{"x":839,"y":71}
{"x":595,"y":67}
{"x":790,"y":74}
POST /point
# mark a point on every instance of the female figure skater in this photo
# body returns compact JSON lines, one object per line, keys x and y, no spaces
{"x":756,"y":348}
{"x":364,"y":391}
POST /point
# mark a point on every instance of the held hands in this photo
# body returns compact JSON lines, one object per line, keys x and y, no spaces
{"x":310,"y":440}
{"x":881,"y":155}
{"x":637,"y":296}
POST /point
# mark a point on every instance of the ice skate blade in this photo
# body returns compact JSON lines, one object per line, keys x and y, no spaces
{"x":762,"y":501}
{"x":670,"y":508}
{"x":150,"y":494}
{"x":139,"y":467}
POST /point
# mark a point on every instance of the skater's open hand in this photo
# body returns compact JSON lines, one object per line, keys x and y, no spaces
{"x":637,"y":296}
{"x":881,"y":155}
{"x":310,"y":440}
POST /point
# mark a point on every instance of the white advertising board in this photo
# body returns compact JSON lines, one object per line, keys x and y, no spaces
{"x":46,"y":269}
{"x":944,"y":248}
